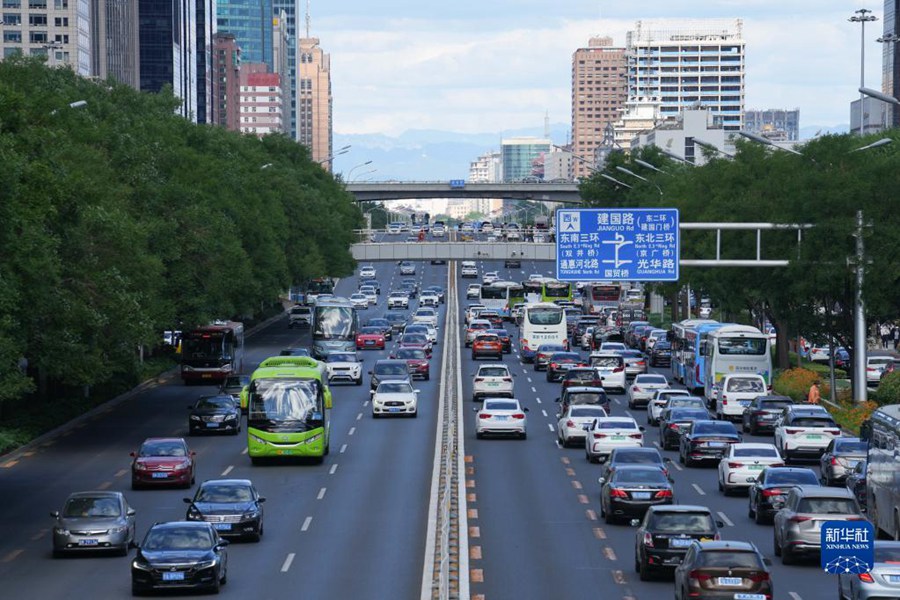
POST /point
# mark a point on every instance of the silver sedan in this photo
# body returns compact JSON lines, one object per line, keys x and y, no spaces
{"x":883,"y":581}
{"x":93,"y":521}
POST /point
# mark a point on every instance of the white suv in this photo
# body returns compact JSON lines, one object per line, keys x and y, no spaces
{"x":367,"y":272}
{"x":429,"y":299}
{"x":492,"y":381}
{"x":804,"y":430}
{"x":468,"y":269}
{"x":398,"y":300}
{"x":735,"y":392}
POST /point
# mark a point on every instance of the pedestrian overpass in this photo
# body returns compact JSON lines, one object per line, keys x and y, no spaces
{"x":563,"y":193}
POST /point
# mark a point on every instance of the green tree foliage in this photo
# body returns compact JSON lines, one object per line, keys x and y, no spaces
{"x":119,"y":219}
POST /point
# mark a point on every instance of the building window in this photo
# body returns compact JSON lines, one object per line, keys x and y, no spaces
{"x":12,"y":37}
{"x":37,"y":19}
{"x":61,"y":21}
{"x":39,"y":37}
{"x":12,"y":19}
{"x":37,"y":4}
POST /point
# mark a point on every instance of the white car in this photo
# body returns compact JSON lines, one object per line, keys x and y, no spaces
{"x":875,"y":366}
{"x":644,"y":387}
{"x":393,"y":229}
{"x":490,"y":277}
{"x":429,"y":298}
{"x":819,"y":354}
{"x":473,"y":291}
{"x":468,"y":270}
{"x":475,"y":327}
{"x":367,"y":272}
{"x":493,"y":380}
{"x":398,"y":300}
{"x":660,"y":401}
{"x":608,"y":433}
{"x":425,"y":315}
{"x":370,"y":293}
{"x":407,"y":268}
{"x":394,"y":398}
{"x":744,"y":461}
{"x":343,"y":366}
{"x":654,"y":336}
{"x":359,"y":301}
{"x":804,"y":431}
{"x":570,"y":427}
{"x":438,"y":231}
{"x":611,"y":369}
{"x":472,"y":311}
{"x":735,"y":392}
{"x":501,"y":416}
{"x":513,"y":234}
{"x":612,"y":347}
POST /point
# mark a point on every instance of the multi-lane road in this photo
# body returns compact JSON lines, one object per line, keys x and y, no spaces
{"x":355,"y":526}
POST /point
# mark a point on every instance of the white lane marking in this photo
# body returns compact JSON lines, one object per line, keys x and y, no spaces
{"x":550,"y":427}
{"x":343,"y":448}
{"x":725,"y":519}
{"x":538,"y":400}
{"x":628,"y":412}
{"x":366,"y":403}
{"x":699,"y":489}
{"x":332,"y":469}
{"x":359,"y":416}
{"x":306,"y":523}
{"x":794,"y":596}
{"x":544,"y":412}
{"x":655,"y":443}
{"x":244,"y":451}
{"x":529,"y":381}
{"x":321,"y":494}
{"x":533,"y":390}
{"x":352,"y":431}
{"x":677,"y":466}
{"x":227,"y":471}
{"x":287,"y":563}
{"x":617,"y":401}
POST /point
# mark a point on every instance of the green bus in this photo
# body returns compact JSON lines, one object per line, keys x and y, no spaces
{"x":289,"y":409}
{"x":554,"y":291}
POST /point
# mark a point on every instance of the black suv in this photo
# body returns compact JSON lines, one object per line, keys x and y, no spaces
{"x":762,"y":412}
{"x":389,"y":369}
{"x":594,"y":396}
{"x":666,"y":533}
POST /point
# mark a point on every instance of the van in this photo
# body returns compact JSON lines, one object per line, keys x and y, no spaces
{"x":735,"y":392}
{"x":300,"y":316}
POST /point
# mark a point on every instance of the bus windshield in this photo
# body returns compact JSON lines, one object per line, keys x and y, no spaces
{"x":320,"y":286}
{"x":207,"y":345}
{"x":743,"y":346}
{"x":557,"y":290}
{"x":493,"y":293}
{"x":333,"y":322}
{"x":280,"y":400}
{"x":605,"y":293}
{"x":545,"y":316}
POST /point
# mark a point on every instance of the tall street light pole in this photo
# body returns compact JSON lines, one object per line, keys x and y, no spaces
{"x":350,"y":174}
{"x":862,"y":16}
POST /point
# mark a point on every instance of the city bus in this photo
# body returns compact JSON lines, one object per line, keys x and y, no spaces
{"x":736,"y":349}
{"x":882,"y":481}
{"x":322,"y":285}
{"x":500,"y":296}
{"x":531,"y":290}
{"x":679,"y":347}
{"x":288,"y":409}
{"x":695,"y":341}
{"x":542,"y":323}
{"x":599,"y":296}
{"x":553,"y":291}
{"x":334,"y":327}
{"x":213,"y":352}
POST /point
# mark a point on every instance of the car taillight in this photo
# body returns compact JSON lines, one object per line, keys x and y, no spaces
{"x":519,"y":416}
{"x":758,"y":576}
{"x":484,"y":415}
{"x":640,"y":363}
{"x":618,"y":369}
{"x":735,"y":465}
{"x":636,"y":388}
{"x":636,"y":436}
{"x":866,"y":577}
{"x":663,"y":494}
{"x":799,"y":519}
{"x":833,"y":431}
{"x":599,"y":436}
{"x":552,"y":365}
{"x":791,"y":431}
{"x":673,"y":426}
{"x":776,"y":465}
{"x":773,"y":492}
{"x":834,"y":461}
{"x":648,"y":540}
{"x":758,"y":413}
{"x":699,"y":576}
{"x":617,"y":493}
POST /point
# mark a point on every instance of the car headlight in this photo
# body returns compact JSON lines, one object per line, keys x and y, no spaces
{"x":140,"y":467}
{"x":141,"y":565}
{"x":60,"y":531}
{"x":187,"y":368}
{"x":195,"y":418}
{"x":231,"y":417}
{"x":250,"y":515}
{"x":206,"y":564}
{"x":313,"y":439}
{"x":119,"y":529}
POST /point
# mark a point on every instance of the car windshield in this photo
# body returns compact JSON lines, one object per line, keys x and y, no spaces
{"x":642,"y":476}
{"x":378,"y":323}
{"x":283,"y":399}
{"x":178,"y":538}
{"x":805,"y":477}
{"x":92,"y":507}
{"x":651,"y":380}
{"x":585,"y":411}
{"x":220,"y":492}
{"x":827,"y":506}
{"x":396,"y":369}
{"x":681,"y":522}
{"x":501,"y":405}
{"x":616,"y":425}
{"x":676,"y":401}
{"x":295,"y":352}
{"x":638,"y":457}
{"x":492,"y":372}
{"x":358,"y":297}
{"x":411,"y":353}
{"x":774,"y":404}
{"x":813,"y":422}
{"x":370,"y":330}
{"x":690,"y":414}
{"x":745,"y":384}
{"x":394,"y":387}
{"x":340,"y":357}
{"x":850,"y":447}
{"x":581,"y":375}
{"x":606,"y":362}
{"x":565,"y":357}
{"x":215,"y":402}
{"x":762,"y":452}
{"x":163,"y":448}
{"x":714,"y":428}
{"x":730,"y":558}
{"x":416,"y":339}
{"x":887,"y":554}
{"x":491,"y":339}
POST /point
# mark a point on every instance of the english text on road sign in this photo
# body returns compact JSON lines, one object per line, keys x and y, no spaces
{"x":617,"y":244}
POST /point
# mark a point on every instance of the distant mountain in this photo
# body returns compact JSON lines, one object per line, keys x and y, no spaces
{"x":807,"y":133}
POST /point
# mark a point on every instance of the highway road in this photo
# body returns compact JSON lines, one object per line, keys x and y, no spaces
{"x":355,"y":526}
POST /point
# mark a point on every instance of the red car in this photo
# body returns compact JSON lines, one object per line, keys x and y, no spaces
{"x":370,"y":338}
{"x":415,"y":340}
{"x":162,"y":461}
{"x":417,"y":361}
{"x":487,"y":344}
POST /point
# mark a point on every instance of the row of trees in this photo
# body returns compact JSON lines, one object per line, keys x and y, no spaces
{"x":823,"y":186}
{"x":119,"y":219}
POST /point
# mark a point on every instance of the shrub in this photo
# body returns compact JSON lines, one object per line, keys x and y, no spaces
{"x":850,"y":415}
{"x":889,"y":389}
{"x":795,"y":383}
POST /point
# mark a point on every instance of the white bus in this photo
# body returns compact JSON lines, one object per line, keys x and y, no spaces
{"x":500,"y":296}
{"x":542,"y":323}
{"x":681,"y":358}
{"x":736,"y":349}
{"x":882,"y":474}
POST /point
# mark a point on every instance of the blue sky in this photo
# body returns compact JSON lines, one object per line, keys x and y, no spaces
{"x":495,"y":65}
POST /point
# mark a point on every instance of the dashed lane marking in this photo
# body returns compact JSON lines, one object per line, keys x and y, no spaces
{"x":476,"y":576}
{"x":599,"y":533}
{"x":332,"y":469}
{"x":474,"y":531}
{"x":550,"y":426}
{"x":306,"y":523}
{"x":244,"y":451}
{"x":10,"y":463}
{"x":39,"y":535}
{"x":699,"y":489}
{"x":570,"y":471}
{"x":655,"y":443}
{"x":725,"y":518}
{"x":321,"y":494}
{"x":533,"y":389}
{"x":529,"y":381}
{"x":105,"y":485}
{"x":794,"y":596}
{"x":677,"y":466}
{"x":12,"y":555}
{"x":120,"y":472}
{"x":470,"y":483}
{"x":287,"y":562}
{"x":473,"y":497}
{"x":609,"y":553}
{"x":366,"y":403}
{"x":619,"y":577}
{"x":352,"y":431}
{"x":343,"y":448}
{"x":228,"y":470}
{"x":472,"y":513}
{"x":577,"y":485}
{"x":359,"y":417}
{"x":544,"y":412}
{"x":590,"y":514}
{"x":538,"y":400}
{"x":617,"y":401}
{"x":475,"y":553}
{"x":583,"y":499}
{"x":565,"y":460}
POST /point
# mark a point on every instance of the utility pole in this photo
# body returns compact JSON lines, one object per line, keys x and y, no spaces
{"x":863,"y":18}
{"x":860,"y":342}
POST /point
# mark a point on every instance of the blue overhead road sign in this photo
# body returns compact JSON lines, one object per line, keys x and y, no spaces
{"x":617,"y":244}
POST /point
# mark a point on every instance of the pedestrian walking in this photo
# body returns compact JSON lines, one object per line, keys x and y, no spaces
{"x":814,"y":396}
{"x":895,"y":335}
{"x":885,"y":335}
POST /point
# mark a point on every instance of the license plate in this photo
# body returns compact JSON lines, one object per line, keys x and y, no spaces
{"x":756,"y":467}
{"x":749,"y":597}
{"x":173,"y":576}
{"x":500,"y":418}
{"x":893,"y":578}
{"x":370,"y":342}
{"x":222,"y":526}
{"x":160,"y":475}
{"x":206,"y":375}
{"x":715,"y":444}
{"x":744,"y":402}
{"x":493,"y":384}
{"x":813,"y":436}
{"x":680,"y":542}
{"x":212,"y":425}
{"x":640,"y":495}
{"x":617,"y":438}
{"x":88,"y":542}
{"x":393,"y":410}
{"x":732,"y":581}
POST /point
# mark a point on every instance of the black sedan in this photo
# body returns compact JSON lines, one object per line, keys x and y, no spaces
{"x":544,"y":352}
{"x":667,"y":532}
{"x":214,"y":414}
{"x":630,"y":490}
{"x":383,"y":325}
{"x":772,"y":485}
{"x":675,"y":421}
{"x":233,"y":506}
{"x":560,"y":362}
{"x":180,"y":555}
{"x":505,"y":339}
{"x":856,"y":482}
{"x":762,"y":412}
{"x":706,"y":441}
{"x":583,"y":395}
{"x":661,"y":354}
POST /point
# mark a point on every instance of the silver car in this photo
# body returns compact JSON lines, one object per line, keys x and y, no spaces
{"x":94,"y":521}
{"x":883,"y":581}
{"x":798,"y":522}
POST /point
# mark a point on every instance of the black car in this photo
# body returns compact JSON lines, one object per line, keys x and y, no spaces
{"x":594,"y":396}
{"x":384,"y":326}
{"x":180,"y":555}
{"x":512,"y":263}
{"x":214,"y":414}
{"x":505,"y":339}
{"x":233,"y":506}
{"x":772,"y":486}
{"x":543,"y":354}
{"x":626,"y":457}
{"x":661,"y":354}
{"x":675,"y":421}
{"x":666,"y":533}
{"x":762,"y":412}
{"x":295,"y":352}
{"x":390,"y":369}
{"x":560,"y":362}
{"x":581,"y":325}
{"x":628,"y":491}
{"x":234,"y":385}
{"x":397,"y":320}
{"x":706,"y":441}
{"x":410,"y":283}
{"x":856,"y":482}
{"x":581,"y":377}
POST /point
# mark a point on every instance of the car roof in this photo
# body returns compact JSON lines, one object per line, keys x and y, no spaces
{"x":681,"y":508}
{"x":97,"y":494}
{"x":639,"y":450}
{"x":227,"y":482}
{"x":180,"y":524}
{"x":719,"y":545}
{"x":819,"y":491}
{"x":164,"y":439}
{"x":389,"y":361}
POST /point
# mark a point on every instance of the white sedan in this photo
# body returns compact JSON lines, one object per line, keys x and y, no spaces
{"x":426,"y":315}
{"x":367,"y":272}
{"x":501,"y":416}
{"x":607,"y":433}
{"x":570,"y":427}
{"x":359,"y":301}
{"x":658,"y":403}
{"x":370,"y":293}
{"x":490,"y":277}
{"x":644,"y":387}
{"x":473,"y":291}
{"x":428,"y":298}
{"x":743,"y":461}
{"x":396,"y":398}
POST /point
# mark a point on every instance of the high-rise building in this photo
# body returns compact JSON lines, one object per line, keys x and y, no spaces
{"x":686,"y":64}
{"x":776,"y":124}
{"x":261,"y":101}
{"x":890,"y":79}
{"x":486,"y":168}
{"x":677,"y":135}
{"x":314,"y":100}
{"x":168,"y":48}
{"x":286,"y":11}
{"x":599,"y":91}
{"x":206,"y":31}
{"x":115,"y":48}
{"x":518,"y":157}
{"x":251,"y":23}
{"x":281,"y":48}
{"x":226,"y":65}
{"x":558,"y":164}
{"x":59,"y":30}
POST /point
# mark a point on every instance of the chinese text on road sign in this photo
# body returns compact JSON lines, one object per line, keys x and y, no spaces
{"x":617,"y":244}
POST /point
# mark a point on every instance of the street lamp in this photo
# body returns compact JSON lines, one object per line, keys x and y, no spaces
{"x":652,"y":167}
{"x":370,"y":171}
{"x":328,"y":159}
{"x":614,"y":180}
{"x":674,"y":156}
{"x":633,"y":174}
{"x":863,"y":17}
{"x":350,"y":174}
{"x":875,"y":144}
{"x":265,"y":166}
{"x":766,"y":142}
{"x":712,"y":147}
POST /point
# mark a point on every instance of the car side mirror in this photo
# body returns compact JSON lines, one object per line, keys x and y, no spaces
{"x":525,"y":409}
{"x":641,"y":428}
{"x":720,"y":523}
{"x":371,"y":392}
{"x":54,"y":514}
{"x":134,"y":544}
{"x":369,"y":372}
{"x":222,"y":544}
{"x":187,"y":501}
{"x":751,"y":480}
{"x":130,"y":512}
{"x":261,"y":499}
{"x":667,"y":459}
{"x":193,"y":453}
{"x":602,"y":480}
{"x":415,"y":391}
